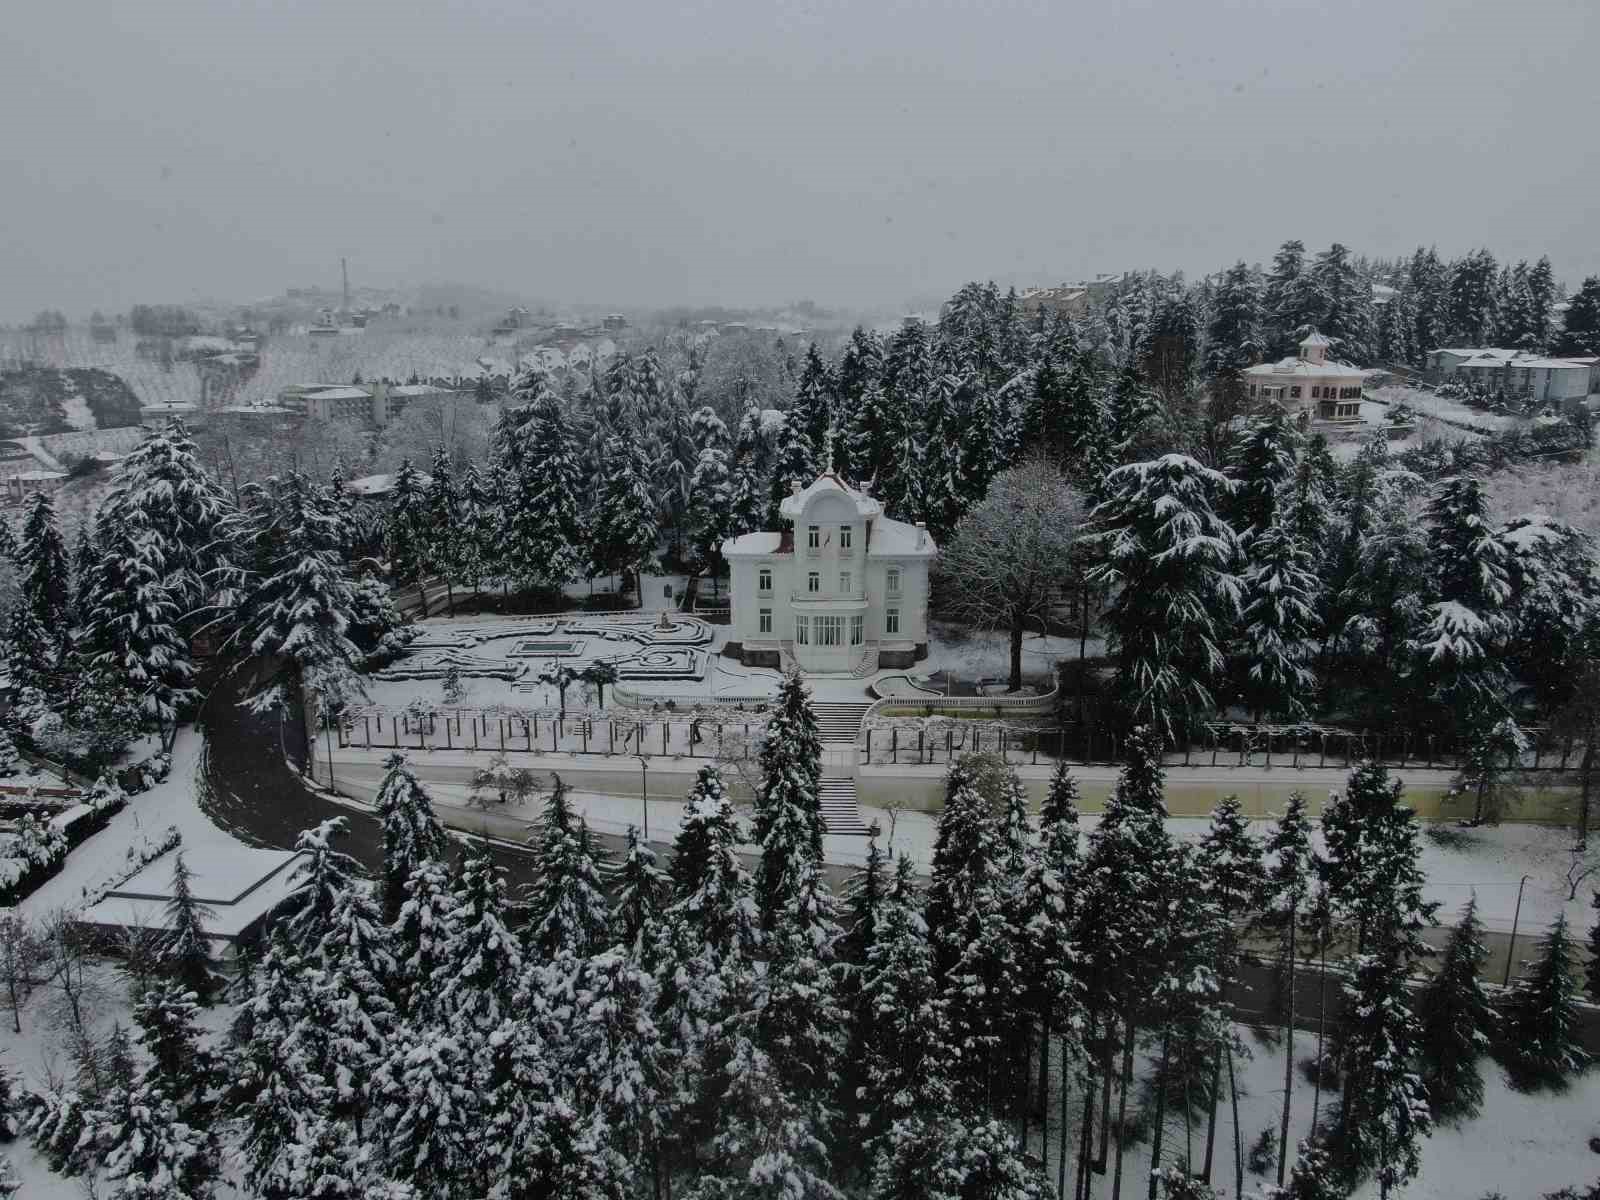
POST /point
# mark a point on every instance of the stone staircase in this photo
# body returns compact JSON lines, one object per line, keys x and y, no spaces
{"x":868,"y":664}
{"x":839,"y":725}
{"x":841,"y":810}
{"x":786,"y":662}
{"x":838,"y":721}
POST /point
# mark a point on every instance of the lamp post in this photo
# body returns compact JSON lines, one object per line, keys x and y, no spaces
{"x":1511,"y":947}
{"x":644,"y":791}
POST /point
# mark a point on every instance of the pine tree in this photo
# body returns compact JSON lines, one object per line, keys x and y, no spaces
{"x":1580,"y":333}
{"x":812,"y":410}
{"x":1541,"y":296}
{"x":135,"y":628}
{"x":406,"y":534}
{"x":1456,"y":1021}
{"x":442,"y":512}
{"x":710,"y":516}
{"x":624,"y":531}
{"x":794,"y":459}
{"x":482,"y":961}
{"x":1277,"y":624}
{"x":642,"y":891}
{"x":322,"y":878}
{"x":40,"y":619}
{"x":1286,"y":893}
{"x":1163,"y":546}
{"x":1470,"y":299}
{"x":187,"y":949}
{"x":480,"y":547}
{"x":712,"y":905}
{"x":788,"y":813}
{"x":876,"y":433}
{"x":546,"y":536}
{"x":351,"y":1004}
{"x":568,"y":914}
{"x":429,"y":1113}
{"x":296,"y":608}
{"x":864,"y":898}
{"x":1593,"y":974}
{"x":1344,"y":304}
{"x":1263,"y":466}
{"x":156,"y":1137}
{"x":1284,"y":299}
{"x":423,"y":931}
{"x":1540,"y":1043}
{"x":411,"y":833}
{"x":1235,"y":330}
{"x":940,"y":1156}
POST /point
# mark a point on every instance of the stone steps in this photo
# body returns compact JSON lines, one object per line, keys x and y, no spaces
{"x":839,"y":722}
{"x":841,"y":810}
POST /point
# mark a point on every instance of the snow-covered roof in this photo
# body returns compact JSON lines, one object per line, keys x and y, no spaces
{"x":1300,"y":368}
{"x":896,"y":539}
{"x":794,"y":505}
{"x":240,"y":886}
{"x":419,"y":389}
{"x":340,"y":393}
{"x":761,"y":542}
{"x":1479,"y":352}
{"x":1315,"y":339}
{"x":379,"y":485}
{"x":1552,"y":364}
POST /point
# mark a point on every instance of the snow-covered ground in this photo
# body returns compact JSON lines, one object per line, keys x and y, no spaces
{"x":986,"y":653}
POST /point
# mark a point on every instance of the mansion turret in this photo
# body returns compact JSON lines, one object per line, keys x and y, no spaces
{"x":841,"y":589}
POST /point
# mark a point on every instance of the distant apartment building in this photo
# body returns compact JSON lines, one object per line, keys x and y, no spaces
{"x":1562,"y":381}
{"x":374,"y":404}
{"x":1068,"y":300}
{"x":614,"y":321}
{"x":1310,"y":385}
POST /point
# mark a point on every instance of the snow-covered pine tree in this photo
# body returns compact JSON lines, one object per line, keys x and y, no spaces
{"x":623,"y":532}
{"x":952,"y":1156}
{"x":1540,"y":1045}
{"x":406,"y":535}
{"x":1383,"y":1115}
{"x":1456,"y":1021}
{"x":908,"y":1055}
{"x":351,"y":1004}
{"x":710,"y":517}
{"x":788,"y":813}
{"x":40,"y":619}
{"x":973,"y":928}
{"x":1286,"y":895}
{"x":296,"y":607}
{"x":547,"y":537}
{"x":480,"y":547}
{"x":568,"y":914}
{"x":1313,"y":1176}
{"x":1467,"y":623}
{"x":411,"y":833}
{"x":186,"y":954}
{"x":1470,"y":299}
{"x":1344,"y":304}
{"x":1284,"y":298}
{"x":135,"y":627}
{"x":864,"y":899}
{"x":156,"y":1138}
{"x":481,"y":961}
{"x":874,"y":436}
{"x":429,"y":1111}
{"x":324,"y":876}
{"x":617,"y":1060}
{"x":642,"y":892}
{"x":1277,"y":624}
{"x":422,"y":933}
{"x":1169,"y":556}
{"x":1371,"y":863}
{"x":1592,"y":974}
{"x":1262,"y":465}
{"x":794,"y":460}
{"x":1234,"y":334}
{"x":712,"y":904}
{"x":812,"y":410}
{"x":442,"y":508}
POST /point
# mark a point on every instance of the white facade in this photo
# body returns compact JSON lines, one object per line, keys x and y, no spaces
{"x":1311,"y":385}
{"x":841,"y":588}
{"x":1494,"y":369}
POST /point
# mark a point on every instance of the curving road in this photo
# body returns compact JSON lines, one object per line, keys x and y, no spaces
{"x":254,"y":794}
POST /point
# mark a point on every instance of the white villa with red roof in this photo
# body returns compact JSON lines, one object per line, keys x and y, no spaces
{"x":842,"y":589}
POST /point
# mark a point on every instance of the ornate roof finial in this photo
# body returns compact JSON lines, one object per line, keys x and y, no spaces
{"x":827,"y":451}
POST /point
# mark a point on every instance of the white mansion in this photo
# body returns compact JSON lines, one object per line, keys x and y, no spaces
{"x":842,"y":589}
{"x":1310,"y":387}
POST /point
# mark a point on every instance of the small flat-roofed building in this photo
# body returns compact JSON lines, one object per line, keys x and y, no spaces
{"x":1311,"y":385}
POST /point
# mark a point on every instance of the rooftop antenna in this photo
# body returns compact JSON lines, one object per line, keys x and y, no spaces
{"x":344,"y":270}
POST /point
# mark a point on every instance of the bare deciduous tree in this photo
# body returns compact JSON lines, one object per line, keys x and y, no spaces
{"x":19,"y":963}
{"x":1010,"y":556}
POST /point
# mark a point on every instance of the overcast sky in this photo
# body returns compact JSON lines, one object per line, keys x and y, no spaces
{"x":642,"y":152}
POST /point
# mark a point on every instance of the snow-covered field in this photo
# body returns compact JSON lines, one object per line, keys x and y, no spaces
{"x":986,"y":654}
{"x":1429,"y":404}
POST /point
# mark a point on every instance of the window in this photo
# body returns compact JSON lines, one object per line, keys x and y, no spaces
{"x":856,"y":625}
{"x":894,"y":581}
{"x":802,"y":631}
{"x":765,"y":621}
{"x":844,"y":537}
{"x":1294,"y":392}
{"x":813,"y":581}
{"x":830,"y":631}
{"x":813,"y":537}
{"x":844,"y":582}
{"x":1252,"y":389}
{"x":891,"y":620}
{"x":764,"y":579}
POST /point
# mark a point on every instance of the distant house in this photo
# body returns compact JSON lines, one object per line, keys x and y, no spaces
{"x":25,"y":483}
{"x":368,"y":404}
{"x":1068,"y":300}
{"x":1310,"y":386}
{"x":1562,"y":381}
{"x":613,"y":321}
{"x":379,"y":487}
{"x":156,"y":416}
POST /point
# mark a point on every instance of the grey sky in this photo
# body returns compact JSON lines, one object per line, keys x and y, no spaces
{"x":743,"y":151}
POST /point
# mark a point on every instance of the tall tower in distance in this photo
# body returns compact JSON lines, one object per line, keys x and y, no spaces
{"x":344,"y":270}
